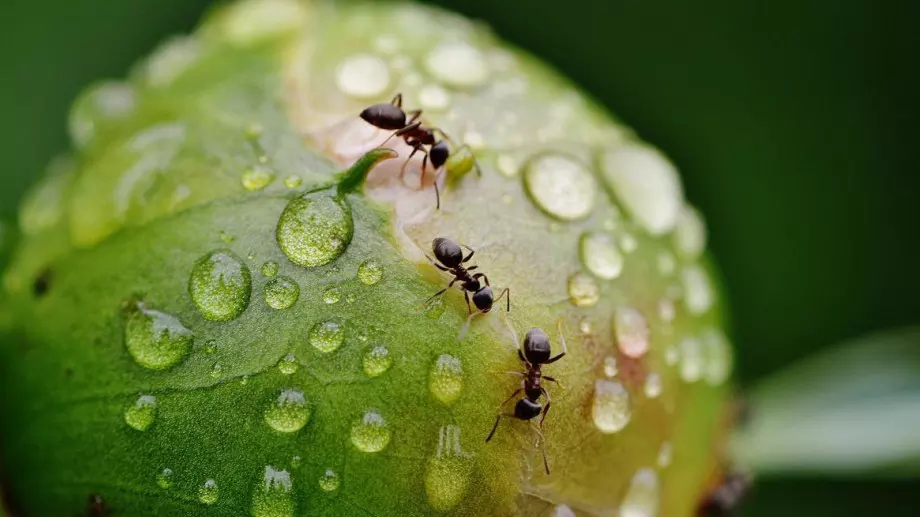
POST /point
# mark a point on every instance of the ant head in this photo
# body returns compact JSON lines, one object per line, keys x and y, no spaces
{"x":526,"y":409}
{"x":385,"y":116}
{"x":482,"y":298}
{"x":536,"y":346}
{"x":447,"y":252}
{"x":438,"y":154}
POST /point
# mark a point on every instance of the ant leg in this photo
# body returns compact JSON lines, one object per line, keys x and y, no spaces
{"x":402,"y":170}
{"x":468,"y":257}
{"x":543,"y":449}
{"x":519,"y":374}
{"x":436,"y":264}
{"x":443,"y":134}
{"x":399,"y":132}
{"x":437,"y":195}
{"x":421,"y":179}
{"x":549,"y":402}
{"x":397,"y":101}
{"x":472,"y":268}
{"x":505,"y":291}
{"x":512,"y":397}
{"x":413,"y":116}
{"x":497,"y":420}
{"x":466,"y":295}
{"x":521,"y":355}
{"x":550,"y":379}
{"x":561,"y":340}
{"x":441,"y":292}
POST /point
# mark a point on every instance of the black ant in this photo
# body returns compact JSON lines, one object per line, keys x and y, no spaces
{"x":535,"y":355}
{"x":391,"y":116}
{"x":450,"y":258}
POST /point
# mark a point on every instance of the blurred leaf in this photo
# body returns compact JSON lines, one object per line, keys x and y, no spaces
{"x":851,"y":410}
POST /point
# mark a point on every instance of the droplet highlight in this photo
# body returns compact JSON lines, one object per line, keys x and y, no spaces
{"x":314,"y":229}
{"x":371,"y":433}
{"x":600,"y":255}
{"x":289,"y":413}
{"x":327,"y":336}
{"x":612,"y":407}
{"x":560,"y":186}
{"x":156,"y":340}
{"x":583,"y":290}
{"x":281,"y":293}
{"x":445,"y":381}
{"x":142,"y":413}
{"x":220,"y":285}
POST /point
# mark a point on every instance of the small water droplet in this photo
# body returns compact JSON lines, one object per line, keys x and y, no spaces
{"x":646,"y":184}
{"x":296,"y":462}
{"x":600,"y":255}
{"x":632,"y":331}
{"x":208,"y":492}
{"x":314,"y":229}
{"x":244,"y":380}
{"x":692,"y":361}
{"x":104,"y":103}
{"x":141,"y":414}
{"x":165,"y":478}
{"x":217,"y":371}
{"x":583,"y":290}
{"x":667,"y":264}
{"x":350,"y":298}
{"x":289,"y":413}
{"x":718,"y":357}
{"x":377,"y":361}
{"x":560,"y":186}
{"x":448,"y":474}
{"x":281,"y":293}
{"x":226,"y":237}
{"x":386,"y":44}
{"x":665,"y":453}
{"x":210,"y":346}
{"x":435,"y":308}
{"x":671,"y":355}
{"x":332,"y":295}
{"x":652,"y":386}
{"x":329,"y":481}
{"x":370,"y":272}
{"x":363,"y":76}
{"x":628,"y":243}
{"x":292,"y":181}
{"x":445,"y":381}
{"x":327,"y":336}
{"x":273,"y":497}
{"x":257,"y":178}
{"x":690,"y":233}
{"x":610,"y":367}
{"x":270,"y":269}
{"x":507,"y":165}
{"x":288,"y":364}
{"x":247,"y":23}
{"x":254,"y":131}
{"x":370,"y":434}
{"x":697,"y":289}
{"x":220,"y":285}
{"x":432,"y":97}
{"x":612,"y":407}
{"x":666,"y":310}
{"x":156,"y":340}
{"x":641,"y":498}
{"x":457,"y":64}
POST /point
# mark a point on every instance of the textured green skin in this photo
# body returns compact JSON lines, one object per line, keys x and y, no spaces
{"x":66,"y":376}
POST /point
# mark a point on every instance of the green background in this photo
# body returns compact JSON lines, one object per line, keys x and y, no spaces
{"x":795,"y":125}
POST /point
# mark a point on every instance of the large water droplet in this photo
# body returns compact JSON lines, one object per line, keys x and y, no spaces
{"x":289,"y":413}
{"x":281,"y":292}
{"x":208,"y":492}
{"x":652,"y":386}
{"x":257,"y":178}
{"x":632,"y":331}
{"x":363,"y":76}
{"x":288,"y":364}
{"x":270,"y":269}
{"x":220,"y":285}
{"x":104,"y":103}
{"x":641,"y":498}
{"x":612,"y":407}
{"x":718,"y":357}
{"x":377,"y":361}
{"x":457,"y":64}
{"x":697,"y":289}
{"x":370,"y":272}
{"x":314,"y":229}
{"x":155,"y":339}
{"x":583,"y":290}
{"x":646,"y":184}
{"x":165,"y":478}
{"x":600,"y":255}
{"x":560,"y":186}
{"x":692,"y":361}
{"x":370,"y":434}
{"x":690,"y":233}
{"x":448,"y":473}
{"x":273,"y":497}
{"x":327,"y":336}
{"x":445,"y":381}
{"x":141,"y":414}
{"x":329,"y":481}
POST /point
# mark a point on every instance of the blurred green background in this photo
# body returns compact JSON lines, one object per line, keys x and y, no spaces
{"x":795,"y":125}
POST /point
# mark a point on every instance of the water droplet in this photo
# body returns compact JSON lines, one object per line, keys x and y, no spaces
{"x":690,"y":233}
{"x":445,"y":381}
{"x":610,"y":367}
{"x":44,"y":205}
{"x":387,"y":44}
{"x":667,"y":264}
{"x":207,"y":492}
{"x":698,"y":291}
{"x":507,"y":165}
{"x":560,"y":186}
{"x":641,"y":498}
{"x":377,"y":361}
{"x":292,"y":181}
{"x":600,"y":255}
{"x":156,"y":340}
{"x":665,"y":454}
{"x":432,"y":97}
{"x":370,"y":272}
{"x":288,"y":364}
{"x":329,"y":481}
{"x":327,"y":336}
{"x":217,"y":371}
{"x":691,"y":359}
{"x":257,"y":178}
{"x":652,"y":387}
{"x":142,"y":413}
{"x":210,"y":346}
{"x":281,"y":292}
{"x":106,"y":102}
{"x":583,"y":290}
{"x":363,"y":76}
{"x":370,"y":434}
{"x":718,"y":357}
{"x":273,"y":497}
{"x":457,"y":64}
{"x":350,"y":298}
{"x":632,"y":331}
{"x":220,"y":285}
{"x":448,"y":474}
{"x":671,"y":355}
{"x":646,"y":184}
{"x":628,"y":243}
{"x":296,"y":462}
{"x":612,"y":407}
{"x":165,"y":478}
{"x":314,"y":229}
{"x":666,"y":310}
{"x":270,"y":269}
{"x":289,"y":413}
{"x":244,"y":380}
{"x":226,"y":237}
{"x":332,"y":295}
{"x":435,"y":308}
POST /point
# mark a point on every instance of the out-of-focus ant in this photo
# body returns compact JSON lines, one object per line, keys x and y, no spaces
{"x":535,"y":354}
{"x":725,"y":499}
{"x":450,"y":258}
{"x":421,"y":138}
{"x":96,"y":507}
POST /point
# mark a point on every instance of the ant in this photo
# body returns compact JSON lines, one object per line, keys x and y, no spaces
{"x":535,"y":355}
{"x":450,"y":258}
{"x":392,"y":117}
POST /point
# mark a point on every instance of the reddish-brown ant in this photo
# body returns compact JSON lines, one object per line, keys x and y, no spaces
{"x":391,"y":116}
{"x":450,"y":258}
{"x":535,"y":355}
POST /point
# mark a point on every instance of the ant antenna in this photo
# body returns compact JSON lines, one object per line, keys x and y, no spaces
{"x":542,"y":448}
{"x":514,"y":336}
{"x":561,"y":335}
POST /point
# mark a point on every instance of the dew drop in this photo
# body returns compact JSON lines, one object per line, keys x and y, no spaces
{"x":281,"y":292}
{"x":296,"y":462}
{"x":370,"y":434}
{"x":329,"y":481}
{"x":560,"y":186}
{"x":432,"y":97}
{"x":207,"y":492}
{"x":692,"y":361}
{"x":332,"y":295}
{"x":666,"y":310}
{"x":363,"y":76}
{"x":665,"y":454}
{"x":612,"y":407}
{"x":448,"y":474}
{"x":289,"y":413}
{"x":248,"y":23}
{"x":641,"y":498}
{"x":718,"y":354}
{"x":610,"y":367}
{"x":697,"y":289}
{"x":288,"y":364}
{"x":217,"y":371}
{"x":370,"y":272}
{"x":104,"y":103}
{"x":690,"y":233}
{"x":156,"y":340}
{"x":377,"y":361}
{"x":292,"y":181}
{"x":220,"y":285}
{"x":628,"y":243}
{"x":507,"y":165}
{"x":270,"y":269}
{"x":210,"y":346}
{"x":671,"y":355}
{"x":226,"y":237}
{"x":165,"y":478}
{"x":257,"y":178}
{"x":652,"y":386}
{"x":314,"y":229}
{"x":667,"y":264}
{"x":141,"y":415}
{"x":445,"y":381}
{"x":457,"y":64}
{"x":583,"y":290}
{"x":632,"y":331}
{"x":327,"y":336}
{"x":273,"y":497}
{"x":646,"y":184}
{"x":600,"y":255}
